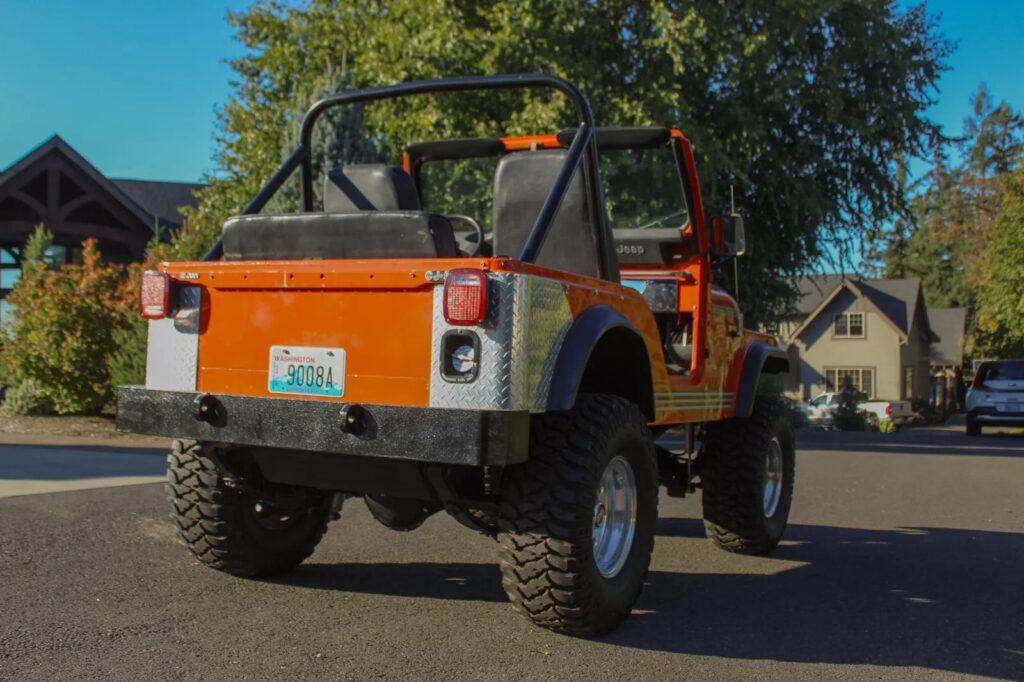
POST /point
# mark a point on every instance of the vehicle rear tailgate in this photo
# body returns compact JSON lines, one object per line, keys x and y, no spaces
{"x":379,"y":313}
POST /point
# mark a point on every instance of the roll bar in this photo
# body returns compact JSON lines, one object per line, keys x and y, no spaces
{"x":583,"y":149}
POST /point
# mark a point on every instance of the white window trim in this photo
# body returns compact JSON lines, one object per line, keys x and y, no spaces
{"x":848,"y":335}
{"x":837,"y":370}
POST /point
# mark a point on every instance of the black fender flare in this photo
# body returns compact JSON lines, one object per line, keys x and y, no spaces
{"x":761,"y":358}
{"x":583,"y":337}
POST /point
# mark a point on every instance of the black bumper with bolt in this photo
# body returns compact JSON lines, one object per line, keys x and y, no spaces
{"x":423,"y":434}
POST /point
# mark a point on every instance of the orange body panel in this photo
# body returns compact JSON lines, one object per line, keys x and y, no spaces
{"x":378,"y":311}
{"x":385,"y":335}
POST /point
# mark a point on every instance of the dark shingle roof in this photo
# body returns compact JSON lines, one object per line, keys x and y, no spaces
{"x":57,"y":144}
{"x":146,"y":199}
{"x":897,"y":299}
{"x":948,"y":324}
{"x":161,"y":199}
{"x":816,"y":288}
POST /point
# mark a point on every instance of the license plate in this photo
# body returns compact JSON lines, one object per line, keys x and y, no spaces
{"x":307,"y":371}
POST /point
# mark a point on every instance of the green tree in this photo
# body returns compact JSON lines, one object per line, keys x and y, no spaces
{"x":957,"y":224}
{"x":999,"y":329}
{"x":928,"y":244}
{"x":803,"y":105}
{"x":36,"y":247}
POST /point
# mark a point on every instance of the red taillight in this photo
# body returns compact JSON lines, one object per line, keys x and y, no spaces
{"x":465,"y":297}
{"x":888,"y":410}
{"x":155,"y":295}
{"x":979,"y":376}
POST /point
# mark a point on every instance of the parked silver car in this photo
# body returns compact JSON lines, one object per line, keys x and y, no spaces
{"x":996,"y":397}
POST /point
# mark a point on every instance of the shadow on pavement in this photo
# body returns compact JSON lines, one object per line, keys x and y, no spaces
{"x":913,"y":442}
{"x":472,"y":582}
{"x":938,"y":598}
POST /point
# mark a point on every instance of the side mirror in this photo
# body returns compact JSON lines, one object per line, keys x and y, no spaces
{"x":728,"y":237}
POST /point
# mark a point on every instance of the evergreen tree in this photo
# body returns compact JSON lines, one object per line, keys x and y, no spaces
{"x":957,"y":232}
{"x":1000,"y":313}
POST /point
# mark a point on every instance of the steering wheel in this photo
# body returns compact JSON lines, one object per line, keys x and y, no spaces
{"x":475,"y":225}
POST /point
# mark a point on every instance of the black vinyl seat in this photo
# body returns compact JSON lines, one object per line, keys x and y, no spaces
{"x":305,"y":236}
{"x":370,"y":211}
{"x":522,"y":182}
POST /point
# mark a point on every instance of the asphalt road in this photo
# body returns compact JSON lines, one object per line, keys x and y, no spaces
{"x":904,"y":559}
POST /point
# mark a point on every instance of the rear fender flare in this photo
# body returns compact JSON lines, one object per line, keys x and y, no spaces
{"x":630,"y":377}
{"x":760,"y":358}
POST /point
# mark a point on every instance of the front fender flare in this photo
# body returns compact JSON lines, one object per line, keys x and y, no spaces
{"x":760,"y":358}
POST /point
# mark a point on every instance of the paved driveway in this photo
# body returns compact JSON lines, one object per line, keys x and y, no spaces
{"x":903,"y":560}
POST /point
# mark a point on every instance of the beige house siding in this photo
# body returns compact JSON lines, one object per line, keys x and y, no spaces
{"x":896,"y":346}
{"x":915,"y":355}
{"x":878,"y":350}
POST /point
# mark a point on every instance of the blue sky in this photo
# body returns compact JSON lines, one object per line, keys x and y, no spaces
{"x":133,"y":85}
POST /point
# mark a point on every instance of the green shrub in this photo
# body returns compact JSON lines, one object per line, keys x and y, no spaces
{"x":928,"y":414}
{"x":847,"y":415}
{"x":61,"y":333}
{"x":26,"y":399}
{"x":128,"y":361}
{"x":797,"y":417}
{"x":887,"y":427}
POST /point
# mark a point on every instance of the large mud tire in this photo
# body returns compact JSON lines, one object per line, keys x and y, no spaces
{"x":222,"y":528}
{"x":551,"y":569}
{"x":747,"y":474}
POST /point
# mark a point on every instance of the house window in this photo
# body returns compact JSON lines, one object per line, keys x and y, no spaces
{"x":908,"y":382}
{"x":849,"y":325}
{"x":861,"y":378}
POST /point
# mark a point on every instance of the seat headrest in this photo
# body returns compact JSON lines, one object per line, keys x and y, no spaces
{"x":370,"y":187}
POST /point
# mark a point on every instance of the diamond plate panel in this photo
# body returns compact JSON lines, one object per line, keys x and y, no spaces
{"x":528,"y":319}
{"x":542,"y":319}
{"x":172,"y":351}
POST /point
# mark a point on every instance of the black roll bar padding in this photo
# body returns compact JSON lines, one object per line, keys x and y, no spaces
{"x":583,"y":145}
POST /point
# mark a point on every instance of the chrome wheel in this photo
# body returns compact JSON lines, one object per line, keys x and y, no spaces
{"x":614,"y":517}
{"x":772,"y":477}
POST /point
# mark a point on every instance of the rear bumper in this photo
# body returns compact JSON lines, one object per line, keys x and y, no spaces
{"x":990,"y":415}
{"x":421,"y":434}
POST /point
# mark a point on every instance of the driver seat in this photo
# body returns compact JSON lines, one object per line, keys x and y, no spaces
{"x":522,"y":182}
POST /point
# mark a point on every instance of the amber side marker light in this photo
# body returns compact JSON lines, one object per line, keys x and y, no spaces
{"x":155,"y":295}
{"x":465,"y":297}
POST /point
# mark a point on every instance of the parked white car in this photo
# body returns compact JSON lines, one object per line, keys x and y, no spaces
{"x":820,"y":410}
{"x":996,"y":397}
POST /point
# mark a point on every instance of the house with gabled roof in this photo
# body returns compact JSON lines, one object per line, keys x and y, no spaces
{"x":54,"y":185}
{"x":949,"y":325}
{"x":876,"y":334}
